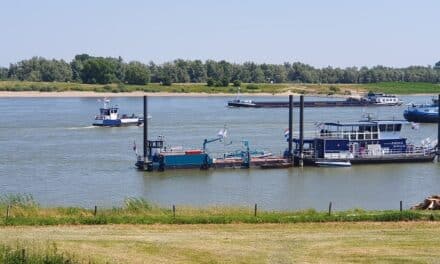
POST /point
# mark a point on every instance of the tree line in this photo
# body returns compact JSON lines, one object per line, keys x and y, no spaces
{"x":104,"y":70}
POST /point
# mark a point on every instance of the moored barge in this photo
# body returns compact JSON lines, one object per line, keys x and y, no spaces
{"x":371,"y":99}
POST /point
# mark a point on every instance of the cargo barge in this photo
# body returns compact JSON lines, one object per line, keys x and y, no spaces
{"x":371,"y":99}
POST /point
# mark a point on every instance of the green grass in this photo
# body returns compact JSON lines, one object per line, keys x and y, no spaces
{"x":337,"y":242}
{"x":30,"y":254}
{"x":23,"y":210}
{"x":325,"y":89}
{"x":403,"y":87}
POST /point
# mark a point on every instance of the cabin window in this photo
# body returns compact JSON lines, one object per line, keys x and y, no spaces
{"x":382,"y":128}
{"x":361,"y":136}
{"x":367,"y":136}
{"x":390,"y":128}
{"x":374,"y":128}
{"x":353,"y":136}
{"x":361,"y":128}
{"x":397,"y":127}
{"x":375,"y":136}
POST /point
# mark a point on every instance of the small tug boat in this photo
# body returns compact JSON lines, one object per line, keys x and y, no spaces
{"x":363,"y":142}
{"x":109,"y":117}
{"x":427,"y":113}
{"x":371,"y":99}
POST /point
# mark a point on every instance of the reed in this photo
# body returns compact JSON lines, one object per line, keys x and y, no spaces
{"x":33,"y":254}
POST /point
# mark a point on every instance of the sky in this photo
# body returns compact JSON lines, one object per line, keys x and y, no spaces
{"x":339,"y":33}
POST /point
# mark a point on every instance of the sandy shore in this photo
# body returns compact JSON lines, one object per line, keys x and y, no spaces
{"x":132,"y":94}
{"x":35,"y":94}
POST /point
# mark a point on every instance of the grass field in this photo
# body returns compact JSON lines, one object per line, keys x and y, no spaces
{"x":343,"y":89}
{"x":403,"y":87}
{"x":23,"y":210}
{"x":401,"y":242}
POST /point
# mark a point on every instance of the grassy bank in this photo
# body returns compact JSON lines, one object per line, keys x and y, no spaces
{"x":325,"y":89}
{"x":22,"y":210}
{"x":403,"y":87}
{"x":392,"y":242}
{"x":30,"y":253}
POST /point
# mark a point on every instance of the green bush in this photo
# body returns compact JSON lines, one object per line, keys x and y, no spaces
{"x":237,"y":83}
{"x":252,"y":87}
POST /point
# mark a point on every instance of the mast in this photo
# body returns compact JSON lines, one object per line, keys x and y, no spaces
{"x":290,"y":127}
{"x":145,"y":131}
{"x":301,"y":130}
{"x":438,"y":129}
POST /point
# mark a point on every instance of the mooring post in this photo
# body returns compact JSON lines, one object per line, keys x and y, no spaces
{"x":145,"y":131}
{"x":401,"y":206}
{"x":330,"y":208}
{"x":438,"y":129}
{"x":255,"y":210}
{"x":174,"y":210}
{"x":95,"y":211}
{"x":290,"y":127}
{"x":7,"y":211}
{"x":301,"y":131}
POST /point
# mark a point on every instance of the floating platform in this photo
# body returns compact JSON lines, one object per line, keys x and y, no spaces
{"x":266,"y":162}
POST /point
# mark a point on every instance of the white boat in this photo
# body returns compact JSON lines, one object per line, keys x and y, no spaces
{"x":333,"y":163}
{"x":110,"y":117}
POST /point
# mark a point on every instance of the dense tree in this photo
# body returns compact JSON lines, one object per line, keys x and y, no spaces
{"x":99,"y":70}
{"x":88,"y":69}
{"x":137,"y":73}
{"x":4,"y":73}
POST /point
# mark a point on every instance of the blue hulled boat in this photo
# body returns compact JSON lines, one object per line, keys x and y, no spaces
{"x":423,"y":113}
{"x":365,"y":141}
{"x":109,"y":117}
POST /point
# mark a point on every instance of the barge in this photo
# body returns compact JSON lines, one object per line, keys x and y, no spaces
{"x":371,"y":99}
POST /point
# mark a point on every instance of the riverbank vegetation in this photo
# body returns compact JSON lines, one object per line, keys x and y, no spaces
{"x":245,"y":88}
{"x":30,"y":253}
{"x":23,"y":210}
{"x":89,"y":69}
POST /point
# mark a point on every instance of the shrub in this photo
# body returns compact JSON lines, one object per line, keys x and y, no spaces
{"x":210,"y":82}
{"x":252,"y":87}
{"x":237,"y":83}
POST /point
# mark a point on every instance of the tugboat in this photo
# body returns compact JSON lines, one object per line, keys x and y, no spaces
{"x":425,"y":113}
{"x":109,"y":117}
{"x":363,"y":142}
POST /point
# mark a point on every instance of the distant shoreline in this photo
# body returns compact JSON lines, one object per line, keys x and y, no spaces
{"x":66,"y":94}
{"x":36,"y":94}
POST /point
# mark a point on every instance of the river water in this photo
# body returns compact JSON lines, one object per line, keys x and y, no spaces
{"x":49,"y":149}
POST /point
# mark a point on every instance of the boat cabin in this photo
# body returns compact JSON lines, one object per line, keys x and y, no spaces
{"x":380,"y":98}
{"x":348,"y":140}
{"x":108,"y":113}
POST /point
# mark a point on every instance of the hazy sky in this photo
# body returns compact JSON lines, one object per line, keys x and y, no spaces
{"x":318,"y":32}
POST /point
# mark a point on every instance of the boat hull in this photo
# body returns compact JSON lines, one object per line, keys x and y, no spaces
{"x":280,"y":104}
{"x":118,"y":122}
{"x":414,"y":115}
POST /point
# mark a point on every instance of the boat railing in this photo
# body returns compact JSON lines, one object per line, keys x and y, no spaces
{"x":351,"y":135}
{"x":366,"y":153}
